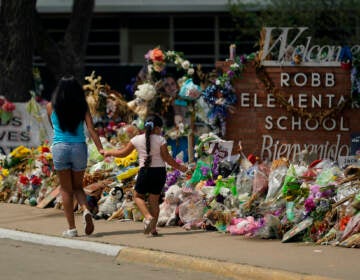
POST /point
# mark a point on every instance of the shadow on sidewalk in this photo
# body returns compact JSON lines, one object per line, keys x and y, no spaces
{"x":118,"y":232}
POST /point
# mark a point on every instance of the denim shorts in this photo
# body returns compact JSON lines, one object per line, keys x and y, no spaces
{"x":70,"y":156}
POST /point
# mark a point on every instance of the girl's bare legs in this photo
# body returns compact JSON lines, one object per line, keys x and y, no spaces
{"x":140,"y":202}
{"x":154,"y":208}
{"x":77,"y":179}
{"x":67,"y":193}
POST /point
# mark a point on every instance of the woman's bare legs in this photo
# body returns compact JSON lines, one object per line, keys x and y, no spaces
{"x":67,"y":193}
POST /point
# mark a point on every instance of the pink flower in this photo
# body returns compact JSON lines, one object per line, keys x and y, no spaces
{"x":309,"y":204}
{"x":8,"y":106}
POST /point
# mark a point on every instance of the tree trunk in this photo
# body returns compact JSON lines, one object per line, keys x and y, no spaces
{"x":16,"y":50}
{"x":68,"y":56}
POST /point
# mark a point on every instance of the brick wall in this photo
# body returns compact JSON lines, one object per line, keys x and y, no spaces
{"x":255,"y":122}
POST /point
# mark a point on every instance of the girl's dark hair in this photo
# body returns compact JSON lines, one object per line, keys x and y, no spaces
{"x":150,"y":122}
{"x":69,"y":103}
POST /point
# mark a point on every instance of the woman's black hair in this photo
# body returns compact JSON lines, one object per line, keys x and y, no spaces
{"x":150,"y":123}
{"x":69,"y":103}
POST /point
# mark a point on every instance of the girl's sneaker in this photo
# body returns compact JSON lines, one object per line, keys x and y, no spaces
{"x":88,"y":222}
{"x":70,"y":233}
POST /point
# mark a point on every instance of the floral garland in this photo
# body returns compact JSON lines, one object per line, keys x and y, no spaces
{"x":235,"y":70}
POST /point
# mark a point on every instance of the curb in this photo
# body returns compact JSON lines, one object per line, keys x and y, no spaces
{"x":221,"y":268}
{"x":175,"y":261}
{"x":95,"y":247}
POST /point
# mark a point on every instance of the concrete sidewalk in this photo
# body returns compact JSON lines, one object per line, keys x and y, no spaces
{"x":232,"y":256}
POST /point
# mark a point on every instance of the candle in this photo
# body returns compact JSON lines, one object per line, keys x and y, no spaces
{"x":232,"y":52}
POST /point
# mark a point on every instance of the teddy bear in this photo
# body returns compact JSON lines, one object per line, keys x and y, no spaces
{"x":144,"y":94}
{"x":128,"y":209}
{"x":168,"y":208}
{"x":110,"y":203}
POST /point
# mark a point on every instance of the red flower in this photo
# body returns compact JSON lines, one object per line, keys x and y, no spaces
{"x":343,"y":222}
{"x":157,"y":55}
{"x":2,"y":101}
{"x":46,"y":170}
{"x":35,"y":180}
{"x":45,"y":149}
{"x":8,"y":106}
{"x":24,"y":180}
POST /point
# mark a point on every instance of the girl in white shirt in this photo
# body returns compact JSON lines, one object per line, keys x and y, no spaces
{"x":153,"y":153}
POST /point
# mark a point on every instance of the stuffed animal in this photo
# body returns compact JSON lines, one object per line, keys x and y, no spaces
{"x":167,"y":215}
{"x":116,"y":107}
{"x":110,"y":203}
{"x":144,"y":93}
{"x":124,"y":211}
{"x":217,"y":219}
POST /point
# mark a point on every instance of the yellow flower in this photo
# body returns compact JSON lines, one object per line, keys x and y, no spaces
{"x":126,"y":161}
{"x":128,"y":173}
{"x":48,"y":156}
{"x":5,"y":172}
{"x":20,"y":152}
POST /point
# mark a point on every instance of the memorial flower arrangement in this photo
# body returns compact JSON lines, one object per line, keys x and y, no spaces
{"x":28,"y":188}
{"x":16,"y":156}
{"x":220,"y":97}
{"x":157,"y":60}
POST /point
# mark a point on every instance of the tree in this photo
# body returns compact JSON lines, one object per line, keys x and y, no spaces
{"x":334,"y":22}
{"x":16,"y":49}
{"x":21,"y":30}
{"x":68,"y":55}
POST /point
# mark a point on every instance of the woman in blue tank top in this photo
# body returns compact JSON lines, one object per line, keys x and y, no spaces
{"x":68,"y":114}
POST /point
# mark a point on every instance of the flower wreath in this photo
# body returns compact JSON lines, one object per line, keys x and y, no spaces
{"x":220,"y":97}
{"x":157,"y":60}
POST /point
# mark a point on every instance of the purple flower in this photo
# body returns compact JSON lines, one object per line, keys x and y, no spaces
{"x":230,"y":73}
{"x":243,"y":59}
{"x":210,"y":182}
{"x":204,"y":170}
{"x":315,"y":189}
{"x":309,"y":204}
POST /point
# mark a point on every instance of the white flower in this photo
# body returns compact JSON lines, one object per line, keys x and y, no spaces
{"x":178,"y":60}
{"x":191,"y":71}
{"x":217,"y":82}
{"x":234,"y":66}
{"x":170,"y":53}
{"x":185,"y":64}
{"x":145,"y":91}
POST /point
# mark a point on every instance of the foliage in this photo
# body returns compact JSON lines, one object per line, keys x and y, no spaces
{"x":329,"y":21}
